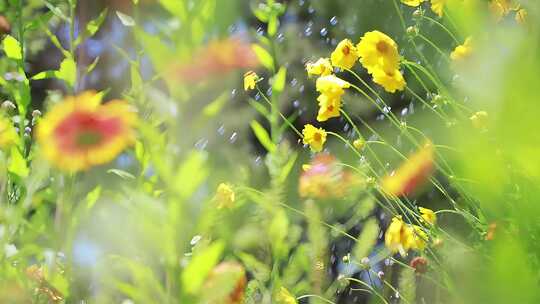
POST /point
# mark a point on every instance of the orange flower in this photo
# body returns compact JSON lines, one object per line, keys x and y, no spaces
{"x":218,"y":58}
{"x":80,"y":132}
{"x":411,"y":174}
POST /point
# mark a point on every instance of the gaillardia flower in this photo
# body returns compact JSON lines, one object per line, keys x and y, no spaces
{"x":325,"y":178}
{"x":228,"y":282}
{"x":411,"y":174}
{"x":463,"y":51}
{"x":8,"y":135}
{"x":345,"y":55}
{"x":225,"y":196}
{"x":428,"y":215}
{"x":314,"y":137}
{"x":250,"y":80}
{"x":321,"y":67}
{"x":377,"y":51}
{"x":81,"y":132}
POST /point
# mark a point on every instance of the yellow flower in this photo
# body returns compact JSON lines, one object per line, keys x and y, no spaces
{"x":479,"y":119}
{"x":390,"y":81}
{"x":521,"y":16}
{"x":225,"y":196}
{"x":314,"y":137}
{"x":419,"y":238}
{"x":321,"y":67}
{"x":462,"y":51}
{"x":81,"y":132}
{"x":285,"y":297}
{"x":329,"y":106}
{"x":331,"y":85}
{"x":412,"y":2}
{"x":359,"y":143}
{"x":399,"y":236}
{"x":428,"y":215}
{"x":500,"y":8}
{"x":437,"y":6}
{"x":345,"y":55}
{"x":8,"y":135}
{"x":378,"y":51}
{"x":250,"y":80}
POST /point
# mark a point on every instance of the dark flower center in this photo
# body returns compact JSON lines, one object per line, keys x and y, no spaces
{"x":88,"y":138}
{"x":382,"y":46}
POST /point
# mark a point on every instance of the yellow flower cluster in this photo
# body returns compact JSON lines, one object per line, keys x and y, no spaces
{"x":331,"y":89}
{"x":379,"y":55}
{"x":401,"y":237}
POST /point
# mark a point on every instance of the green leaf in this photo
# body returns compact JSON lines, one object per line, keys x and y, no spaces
{"x":191,"y":174}
{"x":121,"y":173}
{"x":92,"y":27}
{"x":213,"y":108}
{"x":262,"y":136}
{"x":407,"y":285}
{"x":17,"y":163}
{"x":277,"y":233}
{"x":260,"y":108}
{"x":264,"y":56}
{"x":12,"y":48}
{"x":367,"y":239}
{"x":286,"y":170}
{"x":200,"y":266}
{"x":125,"y":19}
{"x":175,"y":7}
{"x":278,"y":82}
{"x":68,"y":71}
{"x":92,"y":197}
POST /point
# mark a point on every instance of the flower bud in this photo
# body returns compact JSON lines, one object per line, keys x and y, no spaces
{"x":8,"y":105}
{"x":36,"y":113}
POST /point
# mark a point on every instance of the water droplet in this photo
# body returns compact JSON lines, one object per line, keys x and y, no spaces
{"x":233,"y":93}
{"x":269,"y":92}
{"x":311,"y":10}
{"x":294,"y":82}
{"x":308,"y":31}
{"x":387,"y":109}
{"x":221,"y":130}
{"x":404,"y":111}
{"x":195,"y":240}
{"x":296,"y":103}
{"x":324,"y":32}
{"x":334,"y":20}
{"x":234,"y":137}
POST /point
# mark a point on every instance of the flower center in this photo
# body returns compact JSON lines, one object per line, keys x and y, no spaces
{"x":346,"y":50}
{"x":317,"y":137}
{"x":382,"y":47}
{"x":88,"y":138}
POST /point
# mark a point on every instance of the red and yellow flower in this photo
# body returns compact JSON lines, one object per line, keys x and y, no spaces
{"x":80,"y":132}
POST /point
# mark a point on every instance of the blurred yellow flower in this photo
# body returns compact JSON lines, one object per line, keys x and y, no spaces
{"x":8,"y":135}
{"x":428,"y":215}
{"x":345,"y":55}
{"x":399,"y":236}
{"x":500,"y":8}
{"x":389,"y":80}
{"x":225,"y":196}
{"x":521,"y":16}
{"x":437,"y":6}
{"x":250,"y":80}
{"x":359,"y":144}
{"x":314,"y":137}
{"x":81,"y":132}
{"x":463,"y":51}
{"x":411,"y":174}
{"x":329,"y":106}
{"x":331,"y":85}
{"x":378,"y":51}
{"x":285,"y":297}
{"x":479,"y":119}
{"x":419,"y":238}
{"x":321,"y":67}
{"x":412,"y":2}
